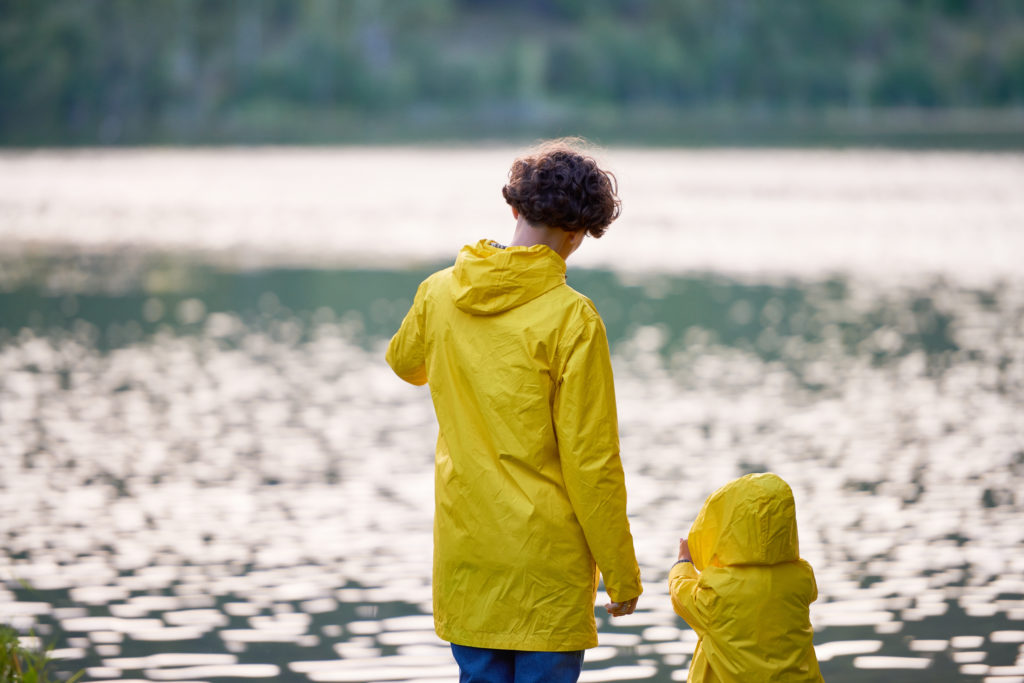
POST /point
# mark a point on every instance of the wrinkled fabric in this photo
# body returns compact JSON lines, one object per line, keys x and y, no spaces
{"x":530,"y":501}
{"x":747,"y":592}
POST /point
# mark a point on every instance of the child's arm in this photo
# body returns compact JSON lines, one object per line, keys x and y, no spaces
{"x":405,"y":353}
{"x":690,"y":600}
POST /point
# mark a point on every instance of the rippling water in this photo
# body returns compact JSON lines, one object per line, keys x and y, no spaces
{"x":208,"y":473}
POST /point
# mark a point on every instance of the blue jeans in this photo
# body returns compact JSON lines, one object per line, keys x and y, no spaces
{"x":484,"y":665}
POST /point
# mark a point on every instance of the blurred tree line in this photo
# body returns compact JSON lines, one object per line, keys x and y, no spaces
{"x":200,"y":71}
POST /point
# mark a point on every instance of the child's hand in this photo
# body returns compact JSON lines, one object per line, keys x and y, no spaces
{"x":684,"y":550}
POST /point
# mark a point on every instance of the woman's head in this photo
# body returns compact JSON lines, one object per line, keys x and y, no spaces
{"x":558,"y":186}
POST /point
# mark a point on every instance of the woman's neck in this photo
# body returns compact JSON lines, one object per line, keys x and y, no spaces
{"x":559,"y":241}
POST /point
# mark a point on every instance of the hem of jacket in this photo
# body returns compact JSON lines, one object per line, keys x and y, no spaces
{"x":514,"y":641}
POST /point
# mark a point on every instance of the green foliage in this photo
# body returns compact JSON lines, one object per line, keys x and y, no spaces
{"x":114,"y":71}
{"x":19,"y":664}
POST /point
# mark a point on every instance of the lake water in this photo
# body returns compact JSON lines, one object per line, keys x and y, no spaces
{"x":208,"y":473}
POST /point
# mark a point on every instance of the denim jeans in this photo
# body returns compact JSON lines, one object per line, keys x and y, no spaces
{"x":484,"y":665}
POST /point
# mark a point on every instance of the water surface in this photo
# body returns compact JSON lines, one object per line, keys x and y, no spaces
{"x":208,"y":473}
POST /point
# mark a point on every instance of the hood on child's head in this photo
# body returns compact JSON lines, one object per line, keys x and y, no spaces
{"x":750,"y":520}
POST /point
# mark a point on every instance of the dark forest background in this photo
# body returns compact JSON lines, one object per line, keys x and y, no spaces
{"x":927,"y":72}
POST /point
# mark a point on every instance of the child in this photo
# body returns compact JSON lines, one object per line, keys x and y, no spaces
{"x":741,"y":585}
{"x":530,"y":500}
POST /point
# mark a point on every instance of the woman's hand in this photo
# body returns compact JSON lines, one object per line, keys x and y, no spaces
{"x":619,"y":609}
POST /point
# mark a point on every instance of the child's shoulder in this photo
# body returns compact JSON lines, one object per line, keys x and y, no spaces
{"x":760,"y":583}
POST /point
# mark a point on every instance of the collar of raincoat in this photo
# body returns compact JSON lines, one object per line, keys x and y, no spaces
{"x":490,"y":279}
{"x":749,"y":521}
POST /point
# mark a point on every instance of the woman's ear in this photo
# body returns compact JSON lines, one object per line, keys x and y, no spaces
{"x":577,"y":238}
{"x":572,"y":241}
{"x":515,"y":213}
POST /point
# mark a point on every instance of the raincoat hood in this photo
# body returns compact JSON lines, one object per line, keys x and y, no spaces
{"x":488,"y":279}
{"x":749,"y":521}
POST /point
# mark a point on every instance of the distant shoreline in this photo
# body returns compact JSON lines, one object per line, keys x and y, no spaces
{"x":645,"y":126}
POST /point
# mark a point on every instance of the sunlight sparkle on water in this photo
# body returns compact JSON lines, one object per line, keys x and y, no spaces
{"x":250,"y":491}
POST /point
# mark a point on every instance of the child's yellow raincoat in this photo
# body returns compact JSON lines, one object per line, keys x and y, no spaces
{"x":747,"y":592}
{"x":529,"y":488}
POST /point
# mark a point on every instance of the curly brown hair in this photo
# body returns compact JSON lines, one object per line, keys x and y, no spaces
{"x":559,"y":186}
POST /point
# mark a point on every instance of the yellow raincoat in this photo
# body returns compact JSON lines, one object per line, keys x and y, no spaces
{"x":529,"y":493}
{"x":747,"y":592}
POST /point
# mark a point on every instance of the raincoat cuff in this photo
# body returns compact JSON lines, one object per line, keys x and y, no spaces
{"x":683,"y":570}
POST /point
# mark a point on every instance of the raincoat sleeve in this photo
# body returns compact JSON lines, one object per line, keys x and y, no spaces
{"x":406,"y":352}
{"x":812,"y":581}
{"x":588,"y":443}
{"x":690,"y":600}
